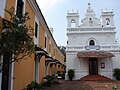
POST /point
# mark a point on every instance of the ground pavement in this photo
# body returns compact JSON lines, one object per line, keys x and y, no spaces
{"x":84,"y":85}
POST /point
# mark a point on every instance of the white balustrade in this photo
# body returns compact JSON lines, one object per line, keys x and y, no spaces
{"x":81,"y":48}
{"x":71,"y":30}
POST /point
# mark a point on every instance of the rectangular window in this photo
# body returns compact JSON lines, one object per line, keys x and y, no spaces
{"x":45,"y":41}
{"x":36,"y":29}
{"x":19,"y":11}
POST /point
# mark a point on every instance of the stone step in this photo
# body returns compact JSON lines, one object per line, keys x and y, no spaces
{"x":95,"y":78}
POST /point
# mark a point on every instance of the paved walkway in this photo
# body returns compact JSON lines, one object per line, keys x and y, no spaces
{"x":103,"y":85}
{"x":84,"y":85}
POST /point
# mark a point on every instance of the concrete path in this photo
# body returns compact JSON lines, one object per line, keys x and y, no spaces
{"x":104,"y":85}
{"x":84,"y":85}
{"x":69,"y":85}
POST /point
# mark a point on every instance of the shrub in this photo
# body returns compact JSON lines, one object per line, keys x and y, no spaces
{"x":116,"y":73}
{"x":71,"y":73}
{"x":33,"y":86}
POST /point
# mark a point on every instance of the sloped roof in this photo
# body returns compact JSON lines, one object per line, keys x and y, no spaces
{"x":94,"y":54}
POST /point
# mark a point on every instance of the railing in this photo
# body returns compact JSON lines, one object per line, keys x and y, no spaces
{"x":80,"y":48}
{"x":93,"y":47}
{"x":90,"y":29}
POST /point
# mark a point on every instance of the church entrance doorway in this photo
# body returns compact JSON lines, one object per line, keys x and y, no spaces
{"x":93,"y":66}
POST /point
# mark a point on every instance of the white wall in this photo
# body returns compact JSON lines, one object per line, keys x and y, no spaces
{"x":107,"y":71}
{"x":79,"y":37}
{"x":83,"y":39}
{"x":79,"y":65}
{"x":116,"y":60}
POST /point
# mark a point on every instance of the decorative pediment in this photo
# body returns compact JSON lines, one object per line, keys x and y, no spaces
{"x":90,"y":19}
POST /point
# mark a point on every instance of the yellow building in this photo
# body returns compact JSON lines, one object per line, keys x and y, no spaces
{"x":32,"y":68}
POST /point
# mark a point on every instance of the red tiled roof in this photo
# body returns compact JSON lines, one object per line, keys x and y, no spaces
{"x":94,"y":54}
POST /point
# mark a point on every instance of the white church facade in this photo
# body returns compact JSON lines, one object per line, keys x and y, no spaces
{"x":92,"y":48}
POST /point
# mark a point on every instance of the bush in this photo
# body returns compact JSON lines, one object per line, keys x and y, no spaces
{"x":71,"y":73}
{"x":47,"y":80}
{"x":47,"y":77}
{"x":116,"y":73}
{"x":33,"y":86}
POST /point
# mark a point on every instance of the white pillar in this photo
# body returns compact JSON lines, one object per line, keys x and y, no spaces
{"x":36,"y":70}
{"x":11,"y":74}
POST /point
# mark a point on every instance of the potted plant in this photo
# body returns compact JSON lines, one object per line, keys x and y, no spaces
{"x":116,"y":73}
{"x":71,"y":74}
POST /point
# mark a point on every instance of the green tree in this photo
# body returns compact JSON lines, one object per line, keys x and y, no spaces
{"x":16,"y":38}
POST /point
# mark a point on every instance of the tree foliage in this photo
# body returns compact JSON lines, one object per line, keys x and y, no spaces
{"x":17,"y":36}
{"x":116,"y":73}
{"x":71,"y":73}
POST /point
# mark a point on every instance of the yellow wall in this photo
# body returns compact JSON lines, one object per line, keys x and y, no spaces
{"x":41,"y":36}
{"x":48,"y":44}
{"x":31,"y":15}
{"x":49,"y":48}
{"x":53,"y":69}
{"x":24,"y":71}
{"x":52,"y":53}
{"x":48,"y":69}
{"x":57,"y":69}
{"x":41,"y":44}
{"x":9,"y":4}
{"x":41,"y":69}
{"x":61,"y":58}
{"x":56,"y":54}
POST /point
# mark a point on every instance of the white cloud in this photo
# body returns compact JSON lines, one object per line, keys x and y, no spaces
{"x":48,"y":4}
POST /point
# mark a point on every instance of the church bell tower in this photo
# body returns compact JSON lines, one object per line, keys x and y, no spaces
{"x":107,"y":18}
{"x":72,"y":19}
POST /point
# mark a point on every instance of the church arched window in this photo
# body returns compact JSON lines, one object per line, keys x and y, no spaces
{"x":107,"y":21}
{"x":90,"y":19}
{"x":91,"y":43}
{"x":73,"y":23}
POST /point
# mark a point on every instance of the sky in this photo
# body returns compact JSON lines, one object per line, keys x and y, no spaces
{"x":55,"y":12}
